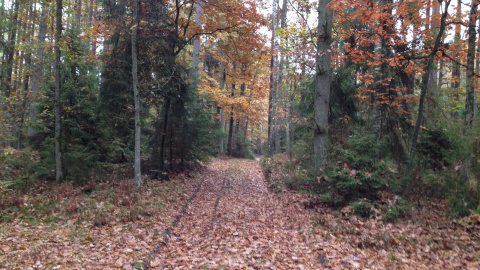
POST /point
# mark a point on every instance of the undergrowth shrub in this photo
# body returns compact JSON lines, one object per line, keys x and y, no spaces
{"x":362,"y":208}
{"x":391,"y":215}
{"x":360,"y":171}
{"x":282,"y":172}
{"x":446,"y":157}
{"x":435,"y":149}
{"x":272,"y":168}
{"x":463,"y":201}
{"x":242,"y":147}
{"x":19,"y":168}
{"x":396,"y":209}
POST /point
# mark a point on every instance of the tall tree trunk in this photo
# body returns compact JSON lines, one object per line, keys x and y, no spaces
{"x":58,"y":88}
{"x":37,"y":75}
{"x":170,"y":146}
{"x":230,"y":127}
{"x":280,"y":83}
{"x":164,"y":134}
{"x":223,"y":79}
{"x":273,"y":81}
{"x":470,"y":100}
{"x":91,"y":18}
{"x":4,"y":49}
{"x":455,"y":84}
{"x":424,"y":89}
{"x":470,"y":80}
{"x":237,"y":126}
{"x":19,"y":57}
{"x":230,"y":135}
{"x":477,"y":66}
{"x":285,"y":59}
{"x":322,"y":84}
{"x":78,"y":11}
{"x":433,"y":80}
{"x":377,"y":96}
{"x":196,"y":41}
{"x":11,"y":49}
{"x":136,"y":98}
{"x":259,"y":141}
{"x":29,"y":32}
{"x":440,"y":75}
{"x":222,"y":129}
{"x":243,"y":87}
{"x":288,"y":143}
{"x":245,"y":132}
{"x":381,"y":74}
{"x":427,"y":14}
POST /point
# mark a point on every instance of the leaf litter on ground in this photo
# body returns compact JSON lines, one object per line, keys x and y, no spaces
{"x":233,"y":222}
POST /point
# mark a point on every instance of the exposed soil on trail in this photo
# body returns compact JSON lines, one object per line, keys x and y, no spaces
{"x":225,"y":217}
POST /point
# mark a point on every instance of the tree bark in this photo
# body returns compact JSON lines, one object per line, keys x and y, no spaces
{"x":288,"y":143}
{"x":164,"y":135}
{"x":223,"y":79}
{"x":377,"y":96}
{"x":470,"y":101}
{"x":433,"y":80}
{"x":29,"y":30}
{"x":280,"y":83}
{"x":322,"y":84}
{"x":58,"y":88}
{"x":455,"y":84}
{"x":425,"y":86}
{"x":273,"y":82}
{"x":470,"y":80}
{"x":11,"y":50}
{"x":477,"y":66}
{"x":381,"y":74}
{"x":91,"y":18}
{"x":196,"y":41}
{"x":78,"y":11}
{"x":37,"y":76}
{"x":4,"y":49}
{"x":230,"y":127}
{"x":136,"y":98}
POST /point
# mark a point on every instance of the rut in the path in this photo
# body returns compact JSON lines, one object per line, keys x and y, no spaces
{"x":234,"y":222}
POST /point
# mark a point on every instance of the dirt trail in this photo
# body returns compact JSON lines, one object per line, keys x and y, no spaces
{"x":236,"y":223}
{"x":224,"y":218}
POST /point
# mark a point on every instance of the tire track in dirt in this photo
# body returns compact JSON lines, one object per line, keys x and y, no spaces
{"x":235,"y":222}
{"x":208,"y":190}
{"x":168,"y":232}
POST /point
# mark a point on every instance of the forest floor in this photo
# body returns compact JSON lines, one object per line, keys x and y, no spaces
{"x":222,"y":217}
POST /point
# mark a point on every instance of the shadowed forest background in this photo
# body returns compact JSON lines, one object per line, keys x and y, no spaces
{"x":369,"y":106}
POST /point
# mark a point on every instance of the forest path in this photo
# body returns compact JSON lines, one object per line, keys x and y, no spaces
{"x":224,"y":218}
{"x":235,"y":222}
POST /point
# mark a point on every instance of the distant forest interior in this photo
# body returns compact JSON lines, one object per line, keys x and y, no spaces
{"x":366,"y":107}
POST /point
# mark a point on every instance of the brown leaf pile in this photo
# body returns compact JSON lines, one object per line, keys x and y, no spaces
{"x":235,"y":222}
{"x":112,"y":228}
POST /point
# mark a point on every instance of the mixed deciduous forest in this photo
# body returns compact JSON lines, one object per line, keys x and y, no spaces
{"x":239,"y":134}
